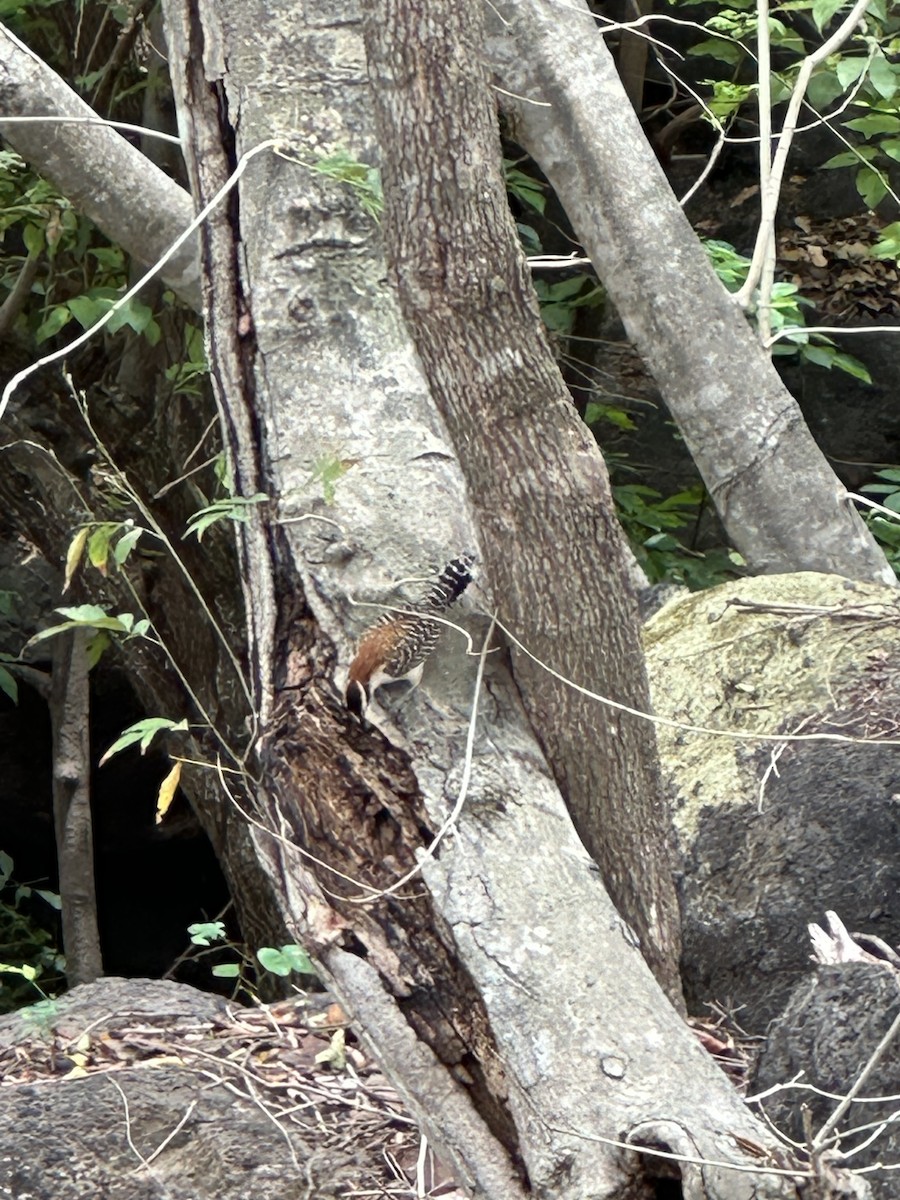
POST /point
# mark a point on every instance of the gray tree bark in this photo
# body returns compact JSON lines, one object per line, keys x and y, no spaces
{"x":103,"y":175}
{"x":783,"y":506}
{"x":552,"y":545}
{"x":450,"y":986}
{"x":756,"y":461}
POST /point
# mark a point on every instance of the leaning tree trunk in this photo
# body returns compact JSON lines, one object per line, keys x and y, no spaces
{"x":451,"y":984}
{"x":780,"y":501}
{"x":553,"y":548}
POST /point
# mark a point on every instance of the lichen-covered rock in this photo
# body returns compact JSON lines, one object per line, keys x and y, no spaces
{"x":772,"y":833}
{"x":832,"y":1025}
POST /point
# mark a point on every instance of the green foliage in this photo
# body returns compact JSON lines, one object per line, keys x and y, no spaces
{"x":27,"y":950}
{"x":867,"y":63}
{"x":204,"y":933}
{"x":281,"y":962}
{"x":188,"y":376}
{"x":284,"y":961}
{"x":363,"y":179}
{"x":560,"y":301}
{"x":230,"y":508}
{"x":786,"y":301}
{"x":885,"y":530}
{"x":327,"y":470}
{"x":528,"y":191}
{"x":651,"y":523}
{"x":595,"y":413}
{"x":80,"y":276}
{"x":8,"y":683}
{"x":142,"y":733}
{"x":100,"y":625}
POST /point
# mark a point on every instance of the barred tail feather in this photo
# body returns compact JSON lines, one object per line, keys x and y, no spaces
{"x":450,"y":584}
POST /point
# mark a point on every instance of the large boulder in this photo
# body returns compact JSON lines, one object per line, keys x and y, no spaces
{"x":774,"y":833}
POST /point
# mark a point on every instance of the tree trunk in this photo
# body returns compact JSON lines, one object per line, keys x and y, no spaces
{"x":69,"y":715}
{"x":451,"y":986}
{"x":552,"y":545}
{"x":140,"y":208}
{"x":779,"y":500}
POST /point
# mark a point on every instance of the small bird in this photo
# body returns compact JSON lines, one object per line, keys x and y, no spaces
{"x":398,"y":644}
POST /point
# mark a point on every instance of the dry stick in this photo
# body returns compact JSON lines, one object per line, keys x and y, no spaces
{"x":764,"y":101}
{"x":122,"y":126}
{"x":771,"y":195}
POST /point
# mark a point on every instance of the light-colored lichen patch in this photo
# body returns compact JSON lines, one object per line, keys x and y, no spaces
{"x":778,"y":654}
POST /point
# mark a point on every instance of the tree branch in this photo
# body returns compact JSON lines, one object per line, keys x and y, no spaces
{"x":743,"y":428}
{"x":104,"y":176}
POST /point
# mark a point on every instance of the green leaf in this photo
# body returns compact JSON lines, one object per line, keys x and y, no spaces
{"x":888,"y":246}
{"x":875,"y":123}
{"x":126,"y":544}
{"x":891,"y":147}
{"x":204,"y":933}
{"x":528,"y":239}
{"x":34,"y":239}
{"x":51,"y":898}
{"x":283,"y":961}
{"x":8,"y":685}
{"x":232,"y":508}
{"x":56,"y":320}
{"x":6,"y":867}
{"x":227,"y":970}
{"x":720,"y":48}
{"x":87,"y":310}
{"x":143,"y":732}
{"x":848,"y":70}
{"x":870,"y":186}
{"x":852,"y":366}
{"x":824,"y":10}
{"x":824,"y":88}
{"x":851,"y":158}
{"x":524,"y":188}
{"x":883,"y":76}
{"x":98,"y":545}
{"x":97,"y":646}
{"x":84,"y":614}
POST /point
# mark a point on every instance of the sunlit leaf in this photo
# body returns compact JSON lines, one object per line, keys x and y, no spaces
{"x":74,"y":553}
{"x":166,"y":793}
{"x":142,"y":732}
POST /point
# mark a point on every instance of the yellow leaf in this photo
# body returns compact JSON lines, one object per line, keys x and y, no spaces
{"x":74,"y":553}
{"x":166,"y":793}
{"x":335,"y":1056}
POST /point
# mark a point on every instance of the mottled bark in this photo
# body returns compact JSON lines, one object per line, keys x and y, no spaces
{"x":551,"y":541}
{"x":103,"y":175}
{"x":69,"y":715}
{"x":781,"y":503}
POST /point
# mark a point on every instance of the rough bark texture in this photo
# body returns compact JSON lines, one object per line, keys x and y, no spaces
{"x":458,"y":989}
{"x":69,"y":713}
{"x":452,"y":988}
{"x":104,"y":176}
{"x":778,"y":498}
{"x":552,"y":544}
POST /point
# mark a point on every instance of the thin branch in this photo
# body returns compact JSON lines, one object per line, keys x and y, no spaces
{"x":772,"y":194}
{"x":86,"y":336}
